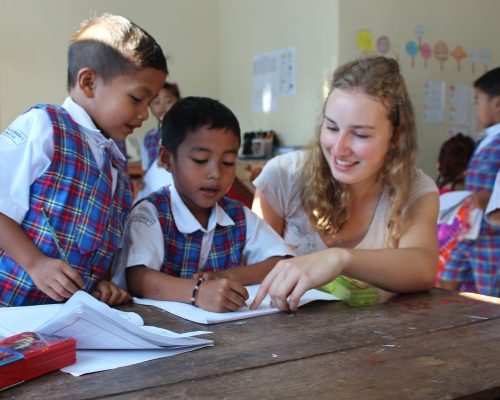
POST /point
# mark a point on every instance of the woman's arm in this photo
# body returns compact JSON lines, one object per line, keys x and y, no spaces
{"x":410,"y":267}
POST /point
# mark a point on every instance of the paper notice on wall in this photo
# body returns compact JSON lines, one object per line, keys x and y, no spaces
{"x":460,"y":102}
{"x":273,"y":75}
{"x":434,"y":102}
{"x":286,"y":71}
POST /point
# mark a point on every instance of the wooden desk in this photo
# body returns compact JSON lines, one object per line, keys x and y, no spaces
{"x":435,"y":345}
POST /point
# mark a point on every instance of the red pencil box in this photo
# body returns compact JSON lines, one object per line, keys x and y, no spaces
{"x":30,"y":354}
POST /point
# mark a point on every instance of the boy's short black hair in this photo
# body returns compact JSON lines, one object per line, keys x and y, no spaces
{"x":191,"y":113}
{"x":489,"y":83}
{"x":112,"y":45}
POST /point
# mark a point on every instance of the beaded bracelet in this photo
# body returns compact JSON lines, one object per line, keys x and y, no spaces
{"x":195,"y":290}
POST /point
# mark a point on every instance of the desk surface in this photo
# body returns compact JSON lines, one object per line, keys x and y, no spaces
{"x":435,"y":345}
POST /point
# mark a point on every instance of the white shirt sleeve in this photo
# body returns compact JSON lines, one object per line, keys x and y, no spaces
{"x":142,"y":242}
{"x":144,"y":156}
{"x":262,"y":241}
{"x":494,"y":202}
{"x":26,"y":150}
{"x":278,"y":182}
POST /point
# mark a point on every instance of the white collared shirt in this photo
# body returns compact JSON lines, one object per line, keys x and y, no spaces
{"x":143,"y":238}
{"x":26,"y":151}
{"x":489,"y":135}
{"x":494,"y":202}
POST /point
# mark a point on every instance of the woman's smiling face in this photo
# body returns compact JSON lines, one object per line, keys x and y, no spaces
{"x":355,"y":136}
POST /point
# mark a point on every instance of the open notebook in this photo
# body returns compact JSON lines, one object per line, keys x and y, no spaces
{"x":196,"y":314}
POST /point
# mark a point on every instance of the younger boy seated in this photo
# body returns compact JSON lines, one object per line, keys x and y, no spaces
{"x":189,"y":242}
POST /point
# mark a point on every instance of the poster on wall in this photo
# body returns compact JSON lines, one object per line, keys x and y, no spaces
{"x":286,"y":71}
{"x":460,"y":96}
{"x":434,"y":101}
{"x":273,"y":75}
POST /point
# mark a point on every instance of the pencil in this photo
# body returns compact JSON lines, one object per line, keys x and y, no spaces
{"x":54,"y":235}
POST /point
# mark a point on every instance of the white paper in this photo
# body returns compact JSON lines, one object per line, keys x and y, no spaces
{"x":89,"y":360}
{"x":460,"y":101}
{"x":265,"y":82}
{"x":274,"y":74}
{"x":494,"y":202}
{"x":196,"y":314}
{"x":95,"y":325}
{"x":434,"y":101}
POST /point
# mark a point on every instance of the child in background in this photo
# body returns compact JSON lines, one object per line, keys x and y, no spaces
{"x":64,"y":191}
{"x":474,"y":263}
{"x":189,"y":242}
{"x":168,"y":96}
{"x":454,"y":156}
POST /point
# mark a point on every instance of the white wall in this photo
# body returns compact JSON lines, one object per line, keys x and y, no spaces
{"x":472,"y":24}
{"x":250,"y":27}
{"x":211,"y":44}
{"x":34,"y":36}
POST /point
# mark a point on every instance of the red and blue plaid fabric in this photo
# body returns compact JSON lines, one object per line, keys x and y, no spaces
{"x":77,"y":197}
{"x":152,"y":144}
{"x":476,"y":263}
{"x":122,"y":145}
{"x":182,"y":251}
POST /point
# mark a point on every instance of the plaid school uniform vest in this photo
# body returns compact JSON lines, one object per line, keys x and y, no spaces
{"x":182,"y":251}
{"x":87,"y":219}
{"x":481,"y":175}
{"x":152,"y":144}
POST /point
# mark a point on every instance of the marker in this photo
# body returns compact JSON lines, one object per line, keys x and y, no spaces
{"x":54,"y":235}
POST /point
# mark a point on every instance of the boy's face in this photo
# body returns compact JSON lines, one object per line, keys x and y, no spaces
{"x":203,"y":169}
{"x":487,"y":109}
{"x":162,"y":103}
{"x":120,"y":105}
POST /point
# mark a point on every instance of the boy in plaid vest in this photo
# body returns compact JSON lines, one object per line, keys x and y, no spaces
{"x":475,"y":263}
{"x":188,"y":242}
{"x":64,"y":191}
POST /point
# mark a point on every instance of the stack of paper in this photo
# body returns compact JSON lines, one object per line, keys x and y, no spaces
{"x":106,"y":334}
{"x":96,"y":326}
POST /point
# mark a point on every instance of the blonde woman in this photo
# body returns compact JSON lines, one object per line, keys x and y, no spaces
{"x":354,"y":203}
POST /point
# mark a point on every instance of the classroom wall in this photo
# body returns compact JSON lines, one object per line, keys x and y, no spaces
{"x":34,"y":36}
{"x":250,"y":27}
{"x":211,"y":45}
{"x":324,"y":34}
{"x":472,"y":24}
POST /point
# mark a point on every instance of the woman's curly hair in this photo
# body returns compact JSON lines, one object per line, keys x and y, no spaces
{"x":325,"y":199}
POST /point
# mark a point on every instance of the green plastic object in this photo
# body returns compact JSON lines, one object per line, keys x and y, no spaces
{"x":352,"y":291}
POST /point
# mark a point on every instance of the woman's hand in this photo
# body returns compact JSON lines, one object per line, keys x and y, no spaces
{"x":291,"y":278}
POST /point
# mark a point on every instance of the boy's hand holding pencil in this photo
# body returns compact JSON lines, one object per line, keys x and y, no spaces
{"x":52,"y":276}
{"x":55,"y":278}
{"x":221,"y":295}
